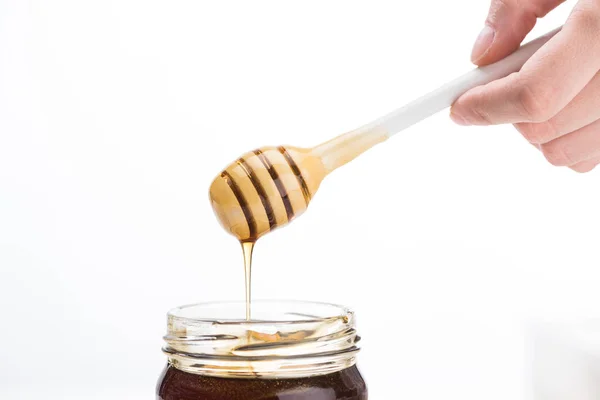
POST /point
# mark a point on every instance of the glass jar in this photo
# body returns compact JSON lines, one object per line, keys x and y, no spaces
{"x":289,"y":350}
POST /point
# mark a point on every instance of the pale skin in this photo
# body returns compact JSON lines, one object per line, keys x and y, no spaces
{"x":554,"y":101}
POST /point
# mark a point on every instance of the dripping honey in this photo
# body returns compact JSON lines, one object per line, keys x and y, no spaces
{"x":269,"y":187}
{"x":247,"y":250}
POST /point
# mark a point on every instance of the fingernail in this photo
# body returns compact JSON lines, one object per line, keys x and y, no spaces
{"x":483,"y":43}
{"x":458,"y":119}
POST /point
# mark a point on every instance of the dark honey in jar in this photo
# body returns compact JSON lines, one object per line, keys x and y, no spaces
{"x":288,"y":351}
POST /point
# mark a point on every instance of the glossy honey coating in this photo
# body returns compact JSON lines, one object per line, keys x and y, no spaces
{"x":265,"y":189}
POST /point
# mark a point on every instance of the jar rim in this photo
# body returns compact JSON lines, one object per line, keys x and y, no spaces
{"x":337,"y":311}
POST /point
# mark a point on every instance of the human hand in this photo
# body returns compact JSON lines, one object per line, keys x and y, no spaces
{"x":554,"y":101}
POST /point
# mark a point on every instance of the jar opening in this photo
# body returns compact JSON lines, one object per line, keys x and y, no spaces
{"x":271,"y":311}
{"x":284,"y":339}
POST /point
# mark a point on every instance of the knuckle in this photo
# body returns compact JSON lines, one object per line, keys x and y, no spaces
{"x":481,"y":117}
{"x":582,"y":169}
{"x":536,"y":101}
{"x":540,"y":8}
{"x":586,"y":166}
{"x":472,"y":107}
{"x":498,"y":8}
{"x":536,"y":133}
{"x":585,"y":16}
{"x":557,"y":154}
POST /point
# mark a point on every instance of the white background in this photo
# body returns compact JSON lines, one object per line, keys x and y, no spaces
{"x":116,"y":115}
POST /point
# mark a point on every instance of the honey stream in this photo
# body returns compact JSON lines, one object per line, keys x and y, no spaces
{"x":248,"y":249}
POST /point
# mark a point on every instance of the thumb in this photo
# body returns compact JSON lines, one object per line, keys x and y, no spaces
{"x":507,"y":24}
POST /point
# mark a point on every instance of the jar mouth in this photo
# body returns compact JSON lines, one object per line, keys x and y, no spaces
{"x":263,"y":311}
{"x":285,"y":338}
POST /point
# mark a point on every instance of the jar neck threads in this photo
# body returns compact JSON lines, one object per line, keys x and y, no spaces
{"x":288,"y":339}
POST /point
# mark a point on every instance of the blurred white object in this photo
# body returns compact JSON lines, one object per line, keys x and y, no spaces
{"x":566,"y":361}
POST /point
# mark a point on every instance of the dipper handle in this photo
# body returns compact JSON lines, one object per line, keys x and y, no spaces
{"x":427,"y":105}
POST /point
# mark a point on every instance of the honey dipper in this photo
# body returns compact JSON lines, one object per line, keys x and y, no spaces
{"x":269,"y":187}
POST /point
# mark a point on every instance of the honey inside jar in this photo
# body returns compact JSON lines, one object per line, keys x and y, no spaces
{"x":295,"y":350}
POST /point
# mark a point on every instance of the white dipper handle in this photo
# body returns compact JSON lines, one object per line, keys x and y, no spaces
{"x":348,"y":146}
{"x":446,"y":95}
